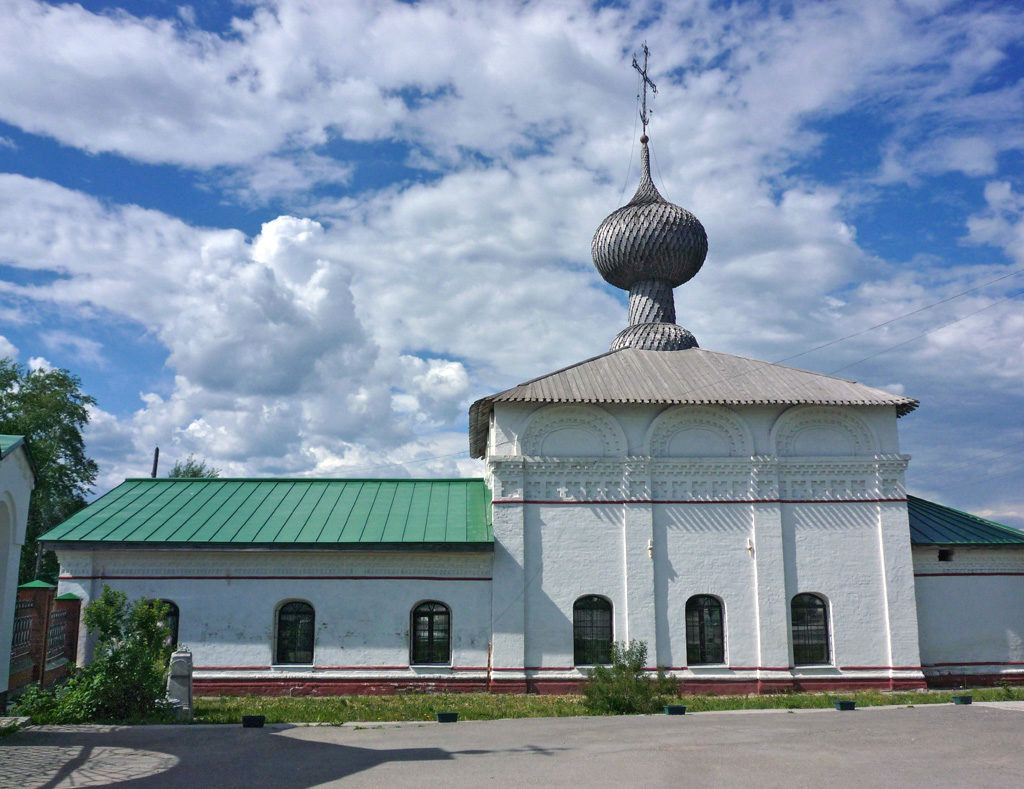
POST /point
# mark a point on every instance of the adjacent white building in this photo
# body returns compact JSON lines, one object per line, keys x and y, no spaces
{"x":16,"y":482}
{"x":748,"y":521}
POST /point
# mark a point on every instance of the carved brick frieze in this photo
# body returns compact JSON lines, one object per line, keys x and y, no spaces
{"x":698,"y":479}
{"x":505,"y":476}
{"x":229,"y":564}
{"x":877,"y":477}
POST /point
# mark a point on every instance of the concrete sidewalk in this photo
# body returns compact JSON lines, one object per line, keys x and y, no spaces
{"x":934,"y":745}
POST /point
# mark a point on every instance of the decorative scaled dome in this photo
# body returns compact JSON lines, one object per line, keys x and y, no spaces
{"x":654,"y":337}
{"x":648,"y":247}
{"x":649,"y":238}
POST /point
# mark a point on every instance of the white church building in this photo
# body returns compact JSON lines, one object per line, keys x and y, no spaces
{"x":748,"y":521}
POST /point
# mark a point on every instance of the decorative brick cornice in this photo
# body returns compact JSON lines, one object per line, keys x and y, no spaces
{"x":756,"y":478}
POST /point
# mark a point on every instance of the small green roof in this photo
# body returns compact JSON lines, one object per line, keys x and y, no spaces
{"x":37,"y":585}
{"x":286,"y":513}
{"x":67,"y":596}
{"x":7,"y":443}
{"x":935,"y":524}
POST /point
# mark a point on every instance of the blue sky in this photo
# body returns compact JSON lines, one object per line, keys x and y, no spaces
{"x":300,"y":238}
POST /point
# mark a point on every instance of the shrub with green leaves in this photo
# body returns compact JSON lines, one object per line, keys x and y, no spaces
{"x":125,"y":680}
{"x":625,"y":687}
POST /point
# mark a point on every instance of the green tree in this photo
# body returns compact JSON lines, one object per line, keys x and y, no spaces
{"x":193,"y":467}
{"x":49,"y":408}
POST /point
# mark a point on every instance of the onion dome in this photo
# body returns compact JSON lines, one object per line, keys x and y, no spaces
{"x":649,"y":238}
{"x":648,"y":247}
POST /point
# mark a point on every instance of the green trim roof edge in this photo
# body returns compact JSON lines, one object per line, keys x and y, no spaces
{"x":932,"y":523}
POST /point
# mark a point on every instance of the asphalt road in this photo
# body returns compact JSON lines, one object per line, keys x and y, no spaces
{"x":932,"y":745}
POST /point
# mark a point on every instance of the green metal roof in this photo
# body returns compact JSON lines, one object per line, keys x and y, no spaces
{"x":7,"y":443}
{"x":37,"y":584}
{"x":934,"y":524}
{"x":286,"y":513}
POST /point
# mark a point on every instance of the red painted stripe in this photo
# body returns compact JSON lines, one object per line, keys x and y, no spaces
{"x":267,"y":578}
{"x":697,"y":501}
{"x":981,"y":663}
{"x":879,"y":668}
{"x":364,"y":668}
{"x":757,"y":668}
{"x":338,"y":668}
{"x":954,"y":575}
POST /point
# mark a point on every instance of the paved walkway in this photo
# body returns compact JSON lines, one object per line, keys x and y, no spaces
{"x":932,"y":745}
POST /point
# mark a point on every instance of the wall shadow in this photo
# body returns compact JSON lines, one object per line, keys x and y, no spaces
{"x":175,"y":756}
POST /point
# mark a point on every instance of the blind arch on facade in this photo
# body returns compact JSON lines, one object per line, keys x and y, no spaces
{"x":705,"y":630}
{"x":591,"y":631}
{"x":431,"y":633}
{"x":809,"y":625}
{"x":296,"y":621}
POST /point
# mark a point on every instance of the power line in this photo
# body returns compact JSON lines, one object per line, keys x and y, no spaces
{"x":926,"y":333}
{"x":901,"y":317}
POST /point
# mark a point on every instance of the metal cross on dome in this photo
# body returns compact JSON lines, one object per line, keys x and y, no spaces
{"x":645,"y":81}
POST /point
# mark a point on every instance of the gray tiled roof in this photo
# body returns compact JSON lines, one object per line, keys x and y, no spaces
{"x":694,"y":376}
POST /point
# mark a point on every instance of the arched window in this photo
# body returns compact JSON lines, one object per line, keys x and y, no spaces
{"x":171,"y":620}
{"x":431,"y":633}
{"x":705,"y":636}
{"x":810,"y":630}
{"x":591,"y":631}
{"x":295,"y":632}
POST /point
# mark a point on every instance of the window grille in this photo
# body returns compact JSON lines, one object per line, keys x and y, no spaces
{"x":591,"y":631}
{"x":295,"y":633}
{"x":56,"y":639}
{"x":810,"y":630}
{"x":705,"y":636}
{"x":431,"y":633}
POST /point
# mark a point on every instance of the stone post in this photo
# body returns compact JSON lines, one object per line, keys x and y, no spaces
{"x":179,"y":683}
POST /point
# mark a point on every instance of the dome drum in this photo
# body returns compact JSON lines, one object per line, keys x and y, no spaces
{"x":648,"y":247}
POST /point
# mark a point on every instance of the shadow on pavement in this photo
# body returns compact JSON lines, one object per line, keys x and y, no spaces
{"x":180,"y":756}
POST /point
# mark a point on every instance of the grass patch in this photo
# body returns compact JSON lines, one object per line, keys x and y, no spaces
{"x":485,"y":706}
{"x":399,"y":707}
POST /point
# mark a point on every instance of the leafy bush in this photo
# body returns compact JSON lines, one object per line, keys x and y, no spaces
{"x":125,"y":680}
{"x":625,"y":687}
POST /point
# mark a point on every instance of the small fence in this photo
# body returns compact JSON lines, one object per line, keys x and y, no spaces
{"x":22,"y":630}
{"x":56,"y":640}
{"x":44,"y":642}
